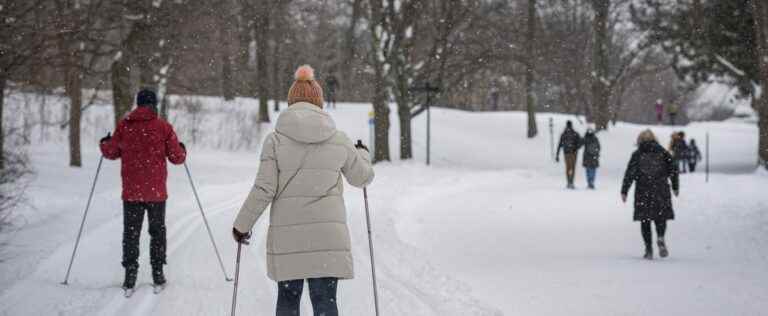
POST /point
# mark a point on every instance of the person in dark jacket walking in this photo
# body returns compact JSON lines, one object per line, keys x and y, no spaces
{"x":570,"y":142}
{"x":143,"y":142}
{"x":694,"y":156}
{"x":333,"y":84}
{"x":679,"y":151}
{"x":652,"y":170}
{"x":591,"y":159}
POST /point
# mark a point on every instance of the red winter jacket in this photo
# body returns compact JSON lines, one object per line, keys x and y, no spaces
{"x":143,"y":141}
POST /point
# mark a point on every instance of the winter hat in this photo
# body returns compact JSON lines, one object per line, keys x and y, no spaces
{"x":646,"y":136}
{"x":305,"y":88}
{"x":146,"y":97}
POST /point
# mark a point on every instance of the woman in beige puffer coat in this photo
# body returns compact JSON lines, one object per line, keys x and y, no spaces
{"x":300,"y":175}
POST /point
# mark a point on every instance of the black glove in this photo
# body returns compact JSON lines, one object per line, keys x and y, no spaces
{"x":239,"y":237}
{"x":360,"y":145}
{"x":557,"y":159}
{"x":106,"y":138}
{"x":182,"y":146}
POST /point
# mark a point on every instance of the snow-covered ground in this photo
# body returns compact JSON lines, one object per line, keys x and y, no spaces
{"x":488,"y":229}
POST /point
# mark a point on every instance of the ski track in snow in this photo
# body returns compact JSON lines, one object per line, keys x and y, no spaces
{"x":487,"y":230}
{"x":142,"y":302}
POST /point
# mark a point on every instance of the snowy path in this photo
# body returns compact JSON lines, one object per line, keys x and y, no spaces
{"x":533,"y":249}
{"x":487,"y":230}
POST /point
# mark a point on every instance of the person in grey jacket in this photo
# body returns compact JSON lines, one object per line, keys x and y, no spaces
{"x":300,"y":175}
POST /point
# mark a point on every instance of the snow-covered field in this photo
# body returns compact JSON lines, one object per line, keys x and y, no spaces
{"x":488,"y":229}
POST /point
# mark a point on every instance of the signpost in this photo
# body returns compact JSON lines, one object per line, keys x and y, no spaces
{"x":429,"y":90}
{"x":372,"y":132}
{"x":707,"y":159}
{"x":552,"y":137}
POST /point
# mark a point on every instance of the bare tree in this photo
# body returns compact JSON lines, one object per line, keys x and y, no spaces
{"x":760,"y":14}
{"x":261,"y":34}
{"x":530,"y":97}
{"x":381,"y":41}
{"x":79,"y":48}
{"x":600,"y":81}
{"x":350,"y":42}
{"x":401,"y":21}
{"x":21,"y":39}
{"x":225,"y":26}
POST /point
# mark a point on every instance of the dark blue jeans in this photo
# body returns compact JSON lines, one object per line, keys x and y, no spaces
{"x":591,"y":175}
{"x":322,"y":293}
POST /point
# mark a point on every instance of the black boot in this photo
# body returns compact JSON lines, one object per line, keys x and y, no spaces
{"x":663,"y":251}
{"x":157,"y":275}
{"x":648,"y":252}
{"x":130,"y":277}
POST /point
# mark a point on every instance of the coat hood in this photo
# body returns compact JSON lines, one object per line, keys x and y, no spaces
{"x":650,"y":146}
{"x":142,"y":113}
{"x":305,"y":122}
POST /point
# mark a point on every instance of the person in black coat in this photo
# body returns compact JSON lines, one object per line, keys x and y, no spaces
{"x":570,"y":142}
{"x":652,"y":169}
{"x":332,"y":84}
{"x":694,"y":155}
{"x":591,"y":159}
{"x":679,"y":151}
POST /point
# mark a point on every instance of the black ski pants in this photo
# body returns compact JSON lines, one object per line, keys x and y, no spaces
{"x":322,"y":293}
{"x":645,"y":229}
{"x":133,"y":217}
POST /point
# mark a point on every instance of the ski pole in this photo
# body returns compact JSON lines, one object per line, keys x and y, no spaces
{"x":205,"y":220}
{"x":370,"y":246}
{"x":237,"y":278}
{"x":82,"y":223}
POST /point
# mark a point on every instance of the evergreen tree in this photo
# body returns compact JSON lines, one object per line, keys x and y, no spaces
{"x":711,"y":40}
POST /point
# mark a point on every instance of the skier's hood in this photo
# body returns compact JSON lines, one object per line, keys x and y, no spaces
{"x":305,"y":122}
{"x":142,"y":113}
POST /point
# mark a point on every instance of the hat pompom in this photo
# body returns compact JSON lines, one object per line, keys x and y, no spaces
{"x":305,"y":73}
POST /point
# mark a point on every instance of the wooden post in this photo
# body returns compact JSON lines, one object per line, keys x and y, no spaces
{"x":429,"y":125}
{"x":707,"y":159}
{"x":552,"y":137}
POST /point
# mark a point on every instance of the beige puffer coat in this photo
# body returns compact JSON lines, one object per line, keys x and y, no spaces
{"x":301,"y":170}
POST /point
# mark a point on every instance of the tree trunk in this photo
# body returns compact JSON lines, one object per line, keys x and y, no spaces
{"x":261,"y":25}
{"x":347,"y":75}
{"x":2,"y":130}
{"x":600,"y":88}
{"x":760,"y":9}
{"x":227,"y":85}
{"x":74,"y":91}
{"x":381,"y":118}
{"x":227,"y":82}
{"x":530,"y":97}
{"x":276,"y":83}
{"x":121,"y":88}
{"x":380,"y":98}
{"x":243,"y":55}
{"x":404,"y":113}
{"x":142,"y":52}
{"x":277,"y":35}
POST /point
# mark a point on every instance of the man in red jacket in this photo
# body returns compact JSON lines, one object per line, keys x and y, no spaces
{"x":143,"y":142}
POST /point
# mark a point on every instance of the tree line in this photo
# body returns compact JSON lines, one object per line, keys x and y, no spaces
{"x":607,"y":60}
